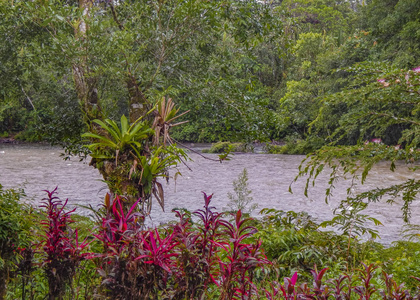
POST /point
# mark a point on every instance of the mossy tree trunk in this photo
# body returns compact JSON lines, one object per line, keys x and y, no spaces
{"x":117,"y":176}
{"x":85,"y":82}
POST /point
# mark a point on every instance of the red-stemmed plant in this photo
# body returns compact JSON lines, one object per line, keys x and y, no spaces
{"x":340,"y":290}
{"x":367,"y":289}
{"x":61,"y":246}
{"x":181,"y":261}
{"x":117,"y":232}
{"x":236,"y":273}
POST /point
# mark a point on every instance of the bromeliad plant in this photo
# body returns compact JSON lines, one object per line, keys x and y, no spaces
{"x":131,"y":157}
{"x":165,"y":114}
{"x":119,"y":139}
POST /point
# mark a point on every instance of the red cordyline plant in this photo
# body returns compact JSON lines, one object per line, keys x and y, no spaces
{"x":199,"y":251}
{"x":141,"y":263}
{"x":61,"y":246}
{"x":117,"y":234}
{"x":179,"y":262}
{"x":136,"y":263}
{"x":236,"y":274}
{"x":203,"y":247}
{"x":158,"y":263}
{"x":393,"y":290}
{"x":196,"y":253}
{"x":192,"y":272}
{"x":214,"y":251}
{"x":367,"y":289}
{"x":341,"y":288}
{"x":289,"y":289}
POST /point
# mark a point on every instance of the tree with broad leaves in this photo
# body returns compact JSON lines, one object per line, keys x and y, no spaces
{"x":382,"y":106}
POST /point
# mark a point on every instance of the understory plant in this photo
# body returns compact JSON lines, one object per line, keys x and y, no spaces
{"x":297,"y":242}
{"x":204,"y":255}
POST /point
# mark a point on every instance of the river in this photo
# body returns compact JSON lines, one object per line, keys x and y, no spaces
{"x":40,"y":167}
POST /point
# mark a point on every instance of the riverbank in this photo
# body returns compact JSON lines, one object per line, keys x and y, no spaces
{"x":9,"y":141}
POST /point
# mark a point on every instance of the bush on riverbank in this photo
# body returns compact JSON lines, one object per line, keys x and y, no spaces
{"x":213,"y":256}
{"x":15,"y":233}
{"x":221,"y":147}
{"x":295,"y":145}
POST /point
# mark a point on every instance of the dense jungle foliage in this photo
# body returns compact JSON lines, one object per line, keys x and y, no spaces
{"x":245,"y":70}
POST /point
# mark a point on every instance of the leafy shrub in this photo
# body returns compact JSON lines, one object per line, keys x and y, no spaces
{"x":296,"y":243}
{"x":15,"y":232}
{"x":241,"y":200}
{"x":365,"y":283}
{"x":402,"y":260}
{"x":349,"y":220}
{"x":207,"y":257}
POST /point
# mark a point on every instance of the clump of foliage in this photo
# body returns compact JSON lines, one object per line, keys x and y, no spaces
{"x":350,"y":220}
{"x":204,"y":53}
{"x":241,"y":199}
{"x":131,"y":157}
{"x":297,"y":242}
{"x":296,"y":145}
{"x":15,"y":233}
{"x":54,"y":263}
{"x":363,"y":285}
{"x":246,"y":70}
{"x":294,"y":241}
{"x":402,"y":260}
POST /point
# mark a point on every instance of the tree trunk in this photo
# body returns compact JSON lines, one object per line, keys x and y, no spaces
{"x":86,"y":85}
{"x":138,"y":102}
{"x":86,"y":92}
{"x":119,"y":181}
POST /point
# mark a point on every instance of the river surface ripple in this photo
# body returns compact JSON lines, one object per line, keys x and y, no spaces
{"x":39,"y":167}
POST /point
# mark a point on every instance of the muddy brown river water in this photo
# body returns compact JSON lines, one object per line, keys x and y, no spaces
{"x":39,"y":167}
